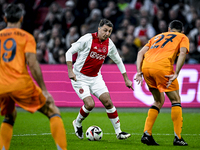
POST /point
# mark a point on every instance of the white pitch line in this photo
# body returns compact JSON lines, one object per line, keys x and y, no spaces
{"x":105,"y":133}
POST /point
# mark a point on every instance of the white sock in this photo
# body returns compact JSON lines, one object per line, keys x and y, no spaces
{"x":83,"y":113}
{"x":114,"y":118}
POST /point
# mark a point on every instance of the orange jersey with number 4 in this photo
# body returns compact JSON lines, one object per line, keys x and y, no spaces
{"x":163,"y":50}
{"x":14,"y":43}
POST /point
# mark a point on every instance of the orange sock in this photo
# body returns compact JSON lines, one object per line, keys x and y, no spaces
{"x":58,"y":132}
{"x":151,"y":118}
{"x":5,"y":135}
{"x":176,"y":115}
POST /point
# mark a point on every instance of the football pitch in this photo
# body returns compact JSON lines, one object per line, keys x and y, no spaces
{"x":32,"y":131}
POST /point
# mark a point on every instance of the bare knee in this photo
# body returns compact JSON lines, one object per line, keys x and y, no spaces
{"x":89,"y":104}
{"x":106,"y":101}
{"x":49,"y":108}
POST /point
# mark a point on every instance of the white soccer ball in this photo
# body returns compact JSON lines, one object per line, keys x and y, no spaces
{"x":94,"y":133}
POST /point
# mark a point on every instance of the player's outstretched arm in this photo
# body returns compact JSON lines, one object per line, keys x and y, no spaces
{"x":128,"y":82}
{"x":139,"y":61}
{"x":35,"y":70}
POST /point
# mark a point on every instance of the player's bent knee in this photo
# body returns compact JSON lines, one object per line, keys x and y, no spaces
{"x":49,"y":108}
{"x":10,"y":118}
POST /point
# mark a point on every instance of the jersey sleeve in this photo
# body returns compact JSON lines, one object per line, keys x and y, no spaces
{"x":114,"y":55}
{"x":185,"y":43}
{"x":77,"y":46}
{"x":30,"y":44}
{"x":148,"y":44}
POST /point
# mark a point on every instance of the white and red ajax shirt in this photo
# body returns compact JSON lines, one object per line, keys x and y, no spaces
{"x":92,"y":53}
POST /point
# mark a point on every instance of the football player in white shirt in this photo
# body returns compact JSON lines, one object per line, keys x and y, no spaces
{"x":86,"y":77}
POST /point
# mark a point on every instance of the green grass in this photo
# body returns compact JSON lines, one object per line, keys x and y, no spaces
{"x":32,"y":132}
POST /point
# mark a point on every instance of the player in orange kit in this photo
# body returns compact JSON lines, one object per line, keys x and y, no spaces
{"x":155,"y":62}
{"x":18,"y":49}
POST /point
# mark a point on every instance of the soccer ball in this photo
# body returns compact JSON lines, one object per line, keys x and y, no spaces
{"x":94,"y":133}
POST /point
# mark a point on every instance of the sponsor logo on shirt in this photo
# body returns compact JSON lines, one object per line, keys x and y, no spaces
{"x":97,"y":56}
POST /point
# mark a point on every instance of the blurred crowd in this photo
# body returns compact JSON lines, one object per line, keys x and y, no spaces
{"x":135,"y":22}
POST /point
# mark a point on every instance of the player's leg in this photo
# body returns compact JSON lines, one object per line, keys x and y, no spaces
{"x":152,"y":115}
{"x":83,"y":113}
{"x":56,"y":124}
{"x":6,"y":131}
{"x":112,"y":113}
{"x":176,"y":115}
{"x":82,"y":90}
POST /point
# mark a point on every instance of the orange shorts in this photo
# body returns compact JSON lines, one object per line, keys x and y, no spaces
{"x":30,"y":99}
{"x":156,"y":79}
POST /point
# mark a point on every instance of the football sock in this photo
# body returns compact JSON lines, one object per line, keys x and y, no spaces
{"x":151,"y":118}
{"x":6,"y":134}
{"x":176,"y":115}
{"x":114,"y":118}
{"x":83,"y":113}
{"x":58,"y":132}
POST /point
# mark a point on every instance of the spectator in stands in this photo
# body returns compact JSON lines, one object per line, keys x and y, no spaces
{"x":69,"y":20}
{"x":36,"y":33}
{"x":162,"y":26}
{"x":127,"y":14}
{"x":175,"y":15}
{"x":115,"y":12}
{"x":193,"y":55}
{"x":183,"y":8}
{"x":93,"y":20}
{"x":71,"y":37}
{"x":56,"y":9}
{"x":50,"y":20}
{"x":191,"y":24}
{"x":156,"y":18}
{"x":128,"y":54}
{"x":83,"y":29}
{"x":61,"y":56}
{"x":195,"y":30}
{"x":40,"y":56}
{"x":58,"y":44}
{"x":145,"y":30}
{"x":47,"y":56}
{"x":55,"y":32}
{"x":107,"y":13}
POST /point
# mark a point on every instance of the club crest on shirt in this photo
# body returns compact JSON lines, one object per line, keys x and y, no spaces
{"x":81,"y":90}
{"x":104,"y":49}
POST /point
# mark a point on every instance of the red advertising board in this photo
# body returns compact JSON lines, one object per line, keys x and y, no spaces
{"x":59,"y":85}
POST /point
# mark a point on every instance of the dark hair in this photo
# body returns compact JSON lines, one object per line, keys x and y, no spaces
{"x":176,"y":24}
{"x":13,"y":13}
{"x":105,"y":22}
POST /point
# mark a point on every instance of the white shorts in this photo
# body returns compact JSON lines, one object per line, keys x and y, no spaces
{"x":85,"y":86}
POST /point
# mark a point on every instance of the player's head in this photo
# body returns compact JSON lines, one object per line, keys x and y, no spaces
{"x":176,"y":25}
{"x":13,"y":13}
{"x":105,"y":29}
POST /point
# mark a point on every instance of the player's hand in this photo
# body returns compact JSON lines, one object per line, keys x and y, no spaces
{"x":129,"y":84}
{"x":171,"y":77}
{"x":139,"y":78}
{"x":72,"y":76}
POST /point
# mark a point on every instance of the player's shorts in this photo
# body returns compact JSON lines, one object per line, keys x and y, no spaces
{"x":30,"y":99}
{"x":85,"y":86}
{"x":156,"y":79}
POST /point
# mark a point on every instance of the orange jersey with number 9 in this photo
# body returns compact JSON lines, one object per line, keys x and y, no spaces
{"x":163,"y":50}
{"x":14,"y":43}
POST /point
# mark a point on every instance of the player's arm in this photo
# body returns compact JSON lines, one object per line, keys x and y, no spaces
{"x":71,"y":74}
{"x":139,"y":61}
{"x":114,"y":55}
{"x":179,"y":64}
{"x":35,"y":70}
